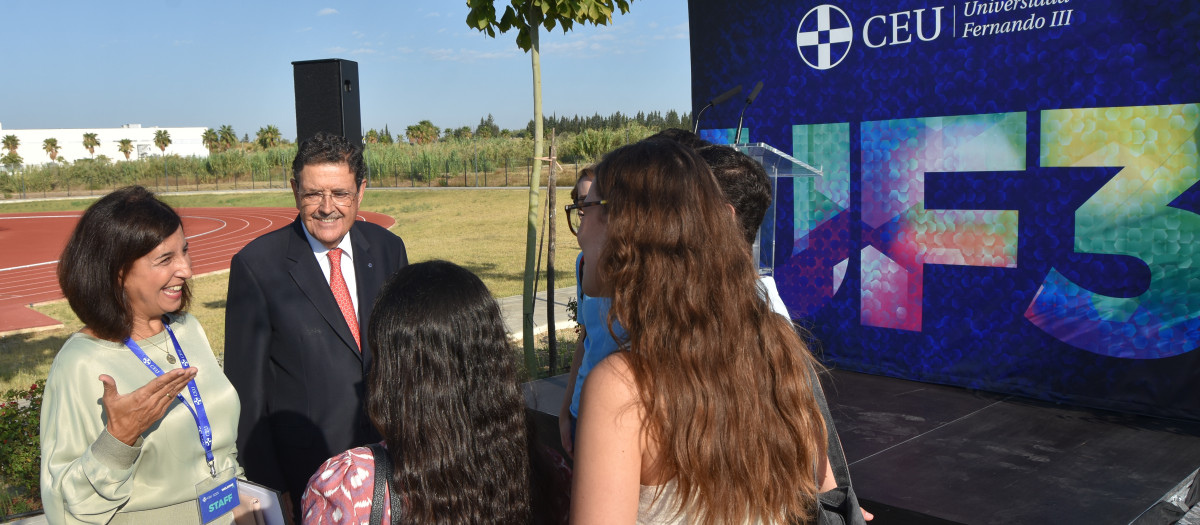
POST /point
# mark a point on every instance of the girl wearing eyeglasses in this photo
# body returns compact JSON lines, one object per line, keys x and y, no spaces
{"x":595,"y":340}
{"x":707,"y":413}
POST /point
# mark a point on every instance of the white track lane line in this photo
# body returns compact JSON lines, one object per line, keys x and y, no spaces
{"x":28,"y":266}
{"x":44,"y":217}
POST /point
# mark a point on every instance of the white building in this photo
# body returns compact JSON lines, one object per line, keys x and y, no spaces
{"x":184,"y":142}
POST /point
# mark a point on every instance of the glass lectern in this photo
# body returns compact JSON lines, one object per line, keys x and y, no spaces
{"x":782,"y":169}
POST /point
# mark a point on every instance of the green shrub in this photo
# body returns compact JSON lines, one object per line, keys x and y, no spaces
{"x":20,"y":448}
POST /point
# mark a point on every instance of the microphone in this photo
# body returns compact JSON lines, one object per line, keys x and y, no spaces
{"x":726,"y":95}
{"x":719,"y":99}
{"x":737,"y":136}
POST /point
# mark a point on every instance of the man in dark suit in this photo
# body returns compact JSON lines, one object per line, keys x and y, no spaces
{"x":296,"y":322}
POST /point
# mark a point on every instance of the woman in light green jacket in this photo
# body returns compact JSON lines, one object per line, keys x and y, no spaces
{"x":120,"y":445}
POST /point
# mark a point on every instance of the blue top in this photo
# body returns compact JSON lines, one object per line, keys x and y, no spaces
{"x":592,"y":313}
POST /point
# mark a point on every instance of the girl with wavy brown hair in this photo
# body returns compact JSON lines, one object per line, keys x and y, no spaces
{"x":707,"y":414}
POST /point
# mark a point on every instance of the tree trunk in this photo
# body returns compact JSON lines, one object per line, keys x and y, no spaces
{"x":551,"y":338}
{"x":527,"y":302}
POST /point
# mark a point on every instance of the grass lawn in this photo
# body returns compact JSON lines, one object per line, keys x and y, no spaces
{"x":482,"y":230}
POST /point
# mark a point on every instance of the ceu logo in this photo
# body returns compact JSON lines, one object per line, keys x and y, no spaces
{"x":824,"y":37}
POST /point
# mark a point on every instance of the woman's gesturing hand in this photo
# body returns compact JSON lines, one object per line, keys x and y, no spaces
{"x":131,"y":414}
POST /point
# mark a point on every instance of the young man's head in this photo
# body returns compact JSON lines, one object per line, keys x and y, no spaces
{"x":745,"y":183}
{"x":681,"y":136}
{"x":583,"y":185}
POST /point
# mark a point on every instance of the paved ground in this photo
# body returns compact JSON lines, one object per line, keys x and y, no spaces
{"x":511,"y":308}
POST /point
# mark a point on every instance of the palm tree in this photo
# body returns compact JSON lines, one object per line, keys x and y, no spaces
{"x":162,"y":139}
{"x":268,"y":137}
{"x":91,"y":143}
{"x":423,"y":132}
{"x":11,"y":142}
{"x":228,"y":136}
{"x":275,"y":135}
{"x":12,"y":161}
{"x":126,"y":147}
{"x":210,"y":140}
{"x":51,"y":147}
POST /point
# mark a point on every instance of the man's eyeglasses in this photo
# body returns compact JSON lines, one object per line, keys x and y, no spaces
{"x":340,"y":198}
{"x":575,"y":214}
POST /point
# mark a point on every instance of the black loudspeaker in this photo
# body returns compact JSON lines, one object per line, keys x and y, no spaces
{"x":327,"y":99}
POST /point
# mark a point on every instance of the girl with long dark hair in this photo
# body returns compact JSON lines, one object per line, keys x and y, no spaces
{"x":444,"y":393}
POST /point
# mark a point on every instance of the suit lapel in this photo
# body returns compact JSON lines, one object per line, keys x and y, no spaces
{"x":368,"y":280}
{"x":307,"y":275}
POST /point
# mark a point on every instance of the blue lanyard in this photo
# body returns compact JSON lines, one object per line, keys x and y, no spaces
{"x":196,"y":407}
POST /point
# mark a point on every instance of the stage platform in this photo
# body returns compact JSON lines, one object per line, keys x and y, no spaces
{"x":930,"y":454}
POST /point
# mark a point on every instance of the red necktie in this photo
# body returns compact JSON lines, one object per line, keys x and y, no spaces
{"x":340,"y":292}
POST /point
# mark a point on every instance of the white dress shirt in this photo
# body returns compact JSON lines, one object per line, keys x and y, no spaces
{"x":322,"y":255}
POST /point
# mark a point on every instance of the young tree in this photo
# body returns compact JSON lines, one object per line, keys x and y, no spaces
{"x":51,"y":147}
{"x":125,"y":146}
{"x":386,"y":136}
{"x":11,"y":142}
{"x":525,"y":16}
{"x":372,"y":136}
{"x":211,"y":140}
{"x":91,"y":143}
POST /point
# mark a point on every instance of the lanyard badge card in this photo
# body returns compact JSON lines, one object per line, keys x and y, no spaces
{"x":216,"y":495}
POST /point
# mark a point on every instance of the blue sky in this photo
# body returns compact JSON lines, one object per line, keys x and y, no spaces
{"x":180,"y":63}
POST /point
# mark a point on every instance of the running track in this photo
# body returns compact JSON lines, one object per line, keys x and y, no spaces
{"x":30,"y":244}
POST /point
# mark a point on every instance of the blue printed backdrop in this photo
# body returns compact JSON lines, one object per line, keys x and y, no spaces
{"x":1010,"y":197}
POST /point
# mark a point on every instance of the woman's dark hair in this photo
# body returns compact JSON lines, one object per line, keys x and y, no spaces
{"x":444,"y":393}
{"x":113,"y":233}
